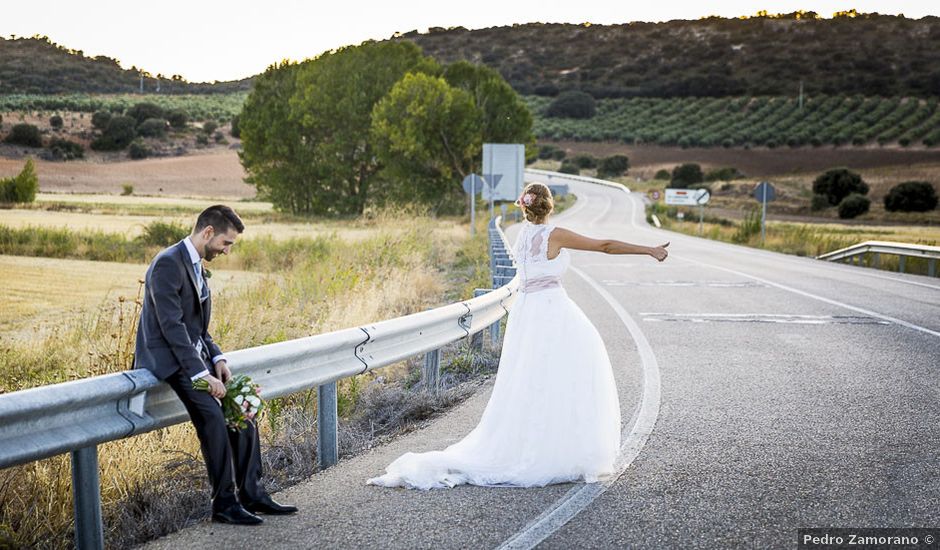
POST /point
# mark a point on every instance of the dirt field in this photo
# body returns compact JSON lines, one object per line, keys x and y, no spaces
{"x":214,"y":174}
{"x":646,"y":160}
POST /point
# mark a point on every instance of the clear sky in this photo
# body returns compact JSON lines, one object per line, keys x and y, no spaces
{"x":206,"y":40}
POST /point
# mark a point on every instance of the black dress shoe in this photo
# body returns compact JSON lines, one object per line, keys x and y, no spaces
{"x":236,"y":515}
{"x":268,"y":506}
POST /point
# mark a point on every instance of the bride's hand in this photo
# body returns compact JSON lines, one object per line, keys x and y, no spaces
{"x":659,"y":252}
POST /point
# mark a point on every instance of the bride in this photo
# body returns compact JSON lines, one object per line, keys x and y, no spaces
{"x":553,"y":415}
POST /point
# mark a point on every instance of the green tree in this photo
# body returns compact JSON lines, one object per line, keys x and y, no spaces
{"x":337,"y":94}
{"x":685,"y":175}
{"x":25,"y":134}
{"x":118,"y":134}
{"x":428,"y":134}
{"x":838,"y":184}
{"x":279,"y":163}
{"x":911,"y":196}
{"x":505,"y":117}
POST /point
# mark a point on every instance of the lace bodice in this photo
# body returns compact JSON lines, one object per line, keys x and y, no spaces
{"x":537,"y":272}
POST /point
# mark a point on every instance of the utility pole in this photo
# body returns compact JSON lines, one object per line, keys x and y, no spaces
{"x":801,"y":94}
{"x":141,"y":82}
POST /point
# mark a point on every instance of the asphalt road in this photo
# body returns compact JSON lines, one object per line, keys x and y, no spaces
{"x":761,"y":393}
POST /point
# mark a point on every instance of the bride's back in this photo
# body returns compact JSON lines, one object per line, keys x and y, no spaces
{"x":536,"y":271}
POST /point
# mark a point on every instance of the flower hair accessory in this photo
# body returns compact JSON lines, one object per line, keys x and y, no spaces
{"x":526,"y":199}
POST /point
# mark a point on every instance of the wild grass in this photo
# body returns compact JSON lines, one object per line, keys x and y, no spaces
{"x":805,"y":239}
{"x":155,"y":483}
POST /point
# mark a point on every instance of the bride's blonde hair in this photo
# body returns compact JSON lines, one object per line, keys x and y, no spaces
{"x":536,"y":202}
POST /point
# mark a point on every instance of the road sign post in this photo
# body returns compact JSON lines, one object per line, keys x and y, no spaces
{"x":764,"y":192}
{"x":473,"y":184}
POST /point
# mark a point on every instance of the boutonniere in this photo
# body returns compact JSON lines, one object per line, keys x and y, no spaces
{"x":206,"y":274}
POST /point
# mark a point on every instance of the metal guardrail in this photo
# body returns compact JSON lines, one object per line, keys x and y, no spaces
{"x":558,"y":175}
{"x":876,"y":248}
{"x":77,"y":416}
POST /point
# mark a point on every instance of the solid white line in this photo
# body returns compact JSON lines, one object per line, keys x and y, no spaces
{"x":822,"y":299}
{"x":603,"y":212}
{"x":578,"y":498}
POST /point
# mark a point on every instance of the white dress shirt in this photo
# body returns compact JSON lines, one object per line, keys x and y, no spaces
{"x":196,"y":260}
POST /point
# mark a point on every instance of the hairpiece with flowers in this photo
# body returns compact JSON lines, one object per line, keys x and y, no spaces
{"x":526,"y":199}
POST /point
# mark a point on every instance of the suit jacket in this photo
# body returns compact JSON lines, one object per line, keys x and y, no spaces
{"x":173,"y":320}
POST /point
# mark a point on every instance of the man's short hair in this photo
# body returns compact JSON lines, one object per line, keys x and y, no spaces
{"x":221,"y":218}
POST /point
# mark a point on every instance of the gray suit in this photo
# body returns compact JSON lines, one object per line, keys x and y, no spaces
{"x":173,"y":342}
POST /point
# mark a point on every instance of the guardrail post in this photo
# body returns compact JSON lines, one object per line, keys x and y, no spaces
{"x":876,"y":260}
{"x":86,"y":491}
{"x":327,"y":445}
{"x":901,"y":262}
{"x":432,"y":371}
{"x":932,"y":267}
{"x":476,"y":339}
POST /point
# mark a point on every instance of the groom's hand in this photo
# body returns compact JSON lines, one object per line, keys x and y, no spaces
{"x":216,"y":387}
{"x":222,"y":371}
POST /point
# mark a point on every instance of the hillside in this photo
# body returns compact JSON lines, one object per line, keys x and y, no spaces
{"x":864,"y":54}
{"x":39,"y":66}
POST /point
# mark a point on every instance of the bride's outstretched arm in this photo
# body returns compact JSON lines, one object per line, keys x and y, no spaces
{"x":564,"y":238}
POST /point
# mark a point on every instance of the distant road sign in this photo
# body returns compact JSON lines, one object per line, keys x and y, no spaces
{"x":475,"y":181}
{"x":763,"y":187}
{"x":702,"y":196}
{"x":655,"y":194}
{"x":681,"y":197}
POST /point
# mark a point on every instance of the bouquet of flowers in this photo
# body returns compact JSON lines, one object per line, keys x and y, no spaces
{"x":242,"y":401}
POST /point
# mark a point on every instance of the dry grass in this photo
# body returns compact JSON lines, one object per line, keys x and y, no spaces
{"x":155,"y":483}
{"x":138,"y":201}
{"x":42,"y":294}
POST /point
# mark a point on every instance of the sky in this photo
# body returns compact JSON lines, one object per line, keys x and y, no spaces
{"x":208,"y":40}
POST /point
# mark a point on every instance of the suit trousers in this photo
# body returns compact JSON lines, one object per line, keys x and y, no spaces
{"x":232,"y":457}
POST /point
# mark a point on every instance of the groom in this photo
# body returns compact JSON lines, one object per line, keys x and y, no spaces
{"x":173,"y":342}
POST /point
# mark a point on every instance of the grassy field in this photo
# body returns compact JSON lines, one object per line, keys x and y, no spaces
{"x":70,"y":318}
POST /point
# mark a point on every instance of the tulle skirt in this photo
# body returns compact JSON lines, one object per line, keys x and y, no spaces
{"x":553,"y":415}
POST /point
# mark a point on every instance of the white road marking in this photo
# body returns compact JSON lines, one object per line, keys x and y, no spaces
{"x":830,"y":301}
{"x":644,"y":420}
{"x":763,"y":318}
{"x":603,"y":212}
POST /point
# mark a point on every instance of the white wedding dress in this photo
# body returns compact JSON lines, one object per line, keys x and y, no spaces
{"x":554,"y":415}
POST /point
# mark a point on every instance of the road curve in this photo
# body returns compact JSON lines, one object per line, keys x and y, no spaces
{"x":788,"y":393}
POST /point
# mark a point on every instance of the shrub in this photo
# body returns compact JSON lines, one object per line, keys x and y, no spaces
{"x":63,"y":149}
{"x":546,"y":151}
{"x":853,"y":205}
{"x":138,"y":150}
{"x":236,"y":131}
{"x":101,"y":119}
{"x":684,"y":142}
{"x":572,"y":104}
{"x":662,"y":175}
{"x":219,"y":137}
{"x":209,"y":126}
{"x":177,"y":118}
{"x":904,"y":141}
{"x":568,"y":167}
{"x":724,"y":174}
{"x":911,"y":196}
{"x":613,"y":166}
{"x":127,"y":189}
{"x":815,"y":141}
{"x":163,"y":234}
{"x":25,"y":134}
{"x":22,"y":187}
{"x":118,"y":135}
{"x":584,"y":161}
{"x":143,"y":111}
{"x":819,"y":202}
{"x":727,"y":143}
{"x":559,"y":155}
{"x":152,"y":127}
{"x":839,"y":183}
{"x":56,"y":122}
{"x":685,"y":175}
{"x":202,"y":139}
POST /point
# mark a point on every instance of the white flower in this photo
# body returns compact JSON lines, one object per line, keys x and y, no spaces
{"x":239,"y":399}
{"x":253,"y":400}
{"x":246,"y":389}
